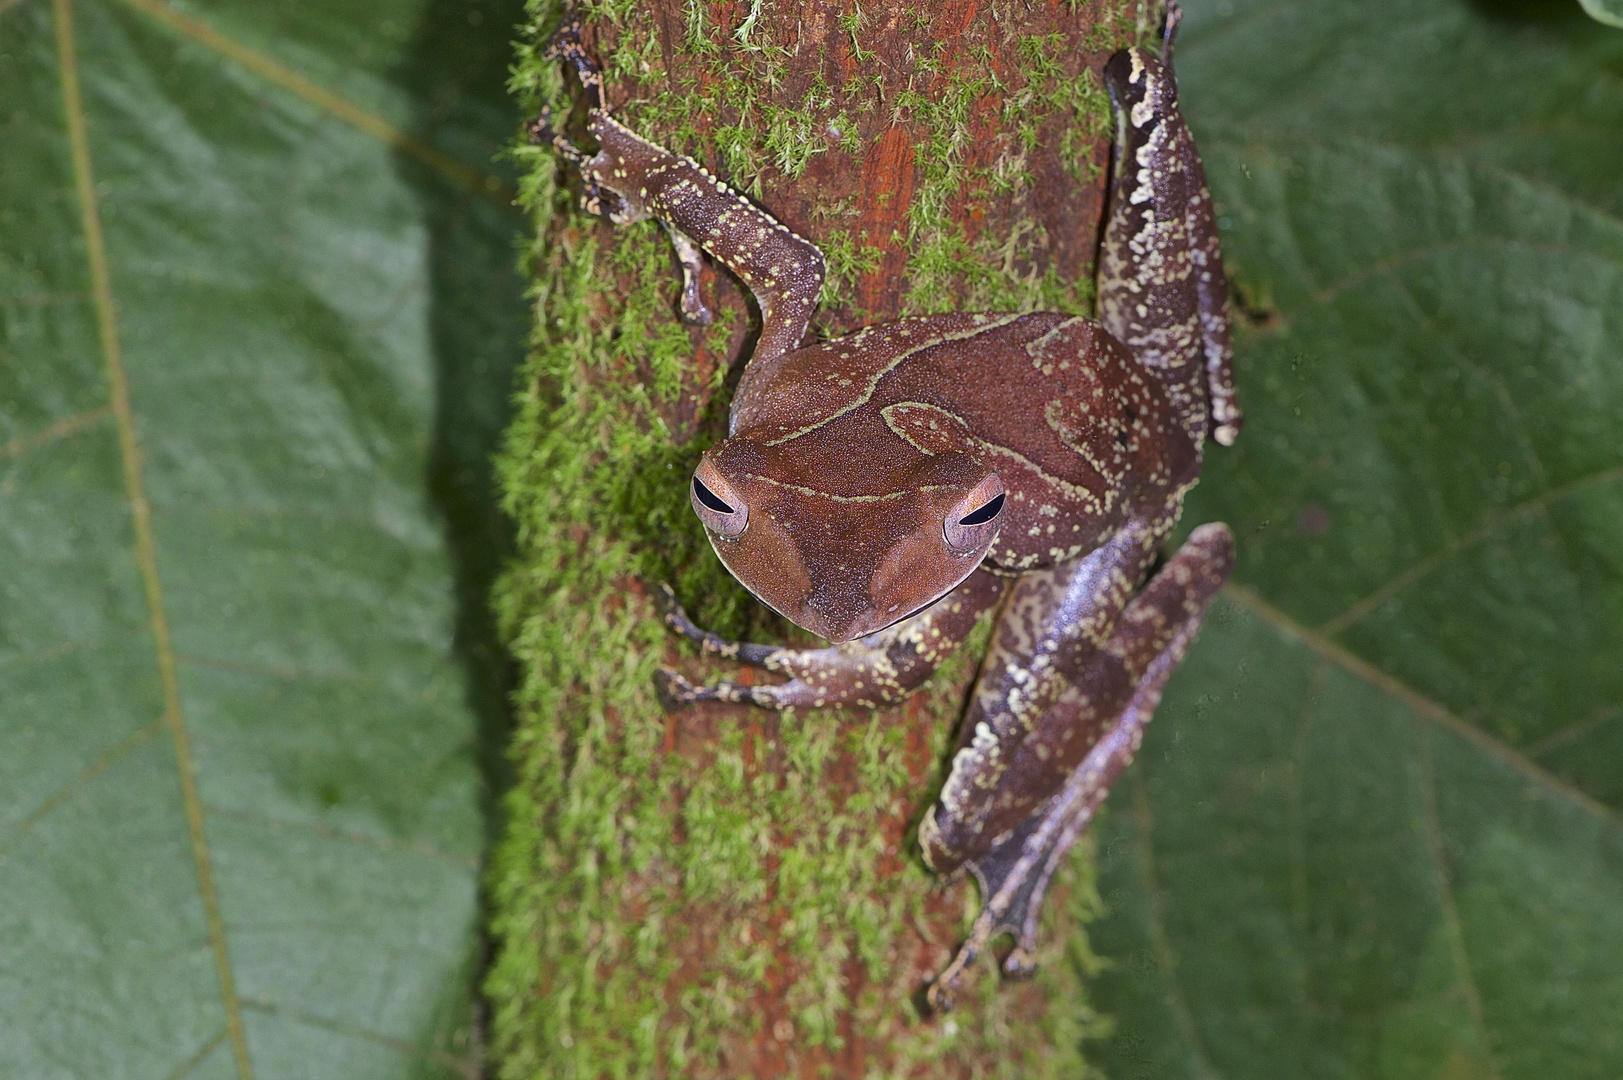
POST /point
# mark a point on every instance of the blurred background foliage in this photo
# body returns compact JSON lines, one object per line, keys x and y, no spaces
{"x":259,"y":321}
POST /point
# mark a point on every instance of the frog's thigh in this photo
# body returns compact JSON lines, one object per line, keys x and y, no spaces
{"x":1123,"y":683}
{"x":1020,"y":744}
{"x":1047,"y":634}
{"x":876,"y":670}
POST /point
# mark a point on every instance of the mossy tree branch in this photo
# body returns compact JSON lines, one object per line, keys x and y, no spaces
{"x":724,"y":891}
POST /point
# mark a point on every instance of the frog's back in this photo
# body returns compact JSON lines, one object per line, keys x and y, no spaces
{"x":804,"y":389}
{"x":1082,"y":435}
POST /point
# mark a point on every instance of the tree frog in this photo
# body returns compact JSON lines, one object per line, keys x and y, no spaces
{"x":885,"y":489}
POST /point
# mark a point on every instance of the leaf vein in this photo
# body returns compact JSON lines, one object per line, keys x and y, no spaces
{"x":1166,"y":960}
{"x":345,"y":110}
{"x":1421,"y":705}
{"x":1487,"y":527}
{"x":64,"y":428}
{"x":466,"y":1067}
{"x":1452,"y":926}
{"x":140,"y":515}
{"x":190,"y":1065}
{"x":97,"y":766}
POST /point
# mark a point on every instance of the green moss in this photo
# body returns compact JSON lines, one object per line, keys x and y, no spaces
{"x":613,"y":842}
{"x":944,"y":259}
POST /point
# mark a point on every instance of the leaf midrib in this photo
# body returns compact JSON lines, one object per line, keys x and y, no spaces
{"x":120,"y":410}
{"x":173,"y":717}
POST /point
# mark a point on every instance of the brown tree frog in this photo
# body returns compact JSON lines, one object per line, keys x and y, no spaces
{"x":885,"y":489}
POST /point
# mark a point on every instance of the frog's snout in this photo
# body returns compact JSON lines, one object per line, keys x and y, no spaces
{"x":838,"y":620}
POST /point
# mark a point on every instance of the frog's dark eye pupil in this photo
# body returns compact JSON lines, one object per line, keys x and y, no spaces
{"x":711,"y":499}
{"x":984,"y":514}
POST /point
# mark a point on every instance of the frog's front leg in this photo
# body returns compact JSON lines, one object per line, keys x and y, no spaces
{"x":630,"y":179}
{"x":1065,"y":766}
{"x":880,"y":669}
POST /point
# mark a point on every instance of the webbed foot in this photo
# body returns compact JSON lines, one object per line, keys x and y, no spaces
{"x":1014,"y":875}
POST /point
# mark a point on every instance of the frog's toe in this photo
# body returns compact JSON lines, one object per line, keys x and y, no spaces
{"x":670,"y":611}
{"x":941,"y":996}
{"x":1020,"y":963}
{"x":694,"y":313}
{"x":664,"y":598}
{"x":566,"y":38}
{"x":674,"y":691}
{"x":542,"y":133}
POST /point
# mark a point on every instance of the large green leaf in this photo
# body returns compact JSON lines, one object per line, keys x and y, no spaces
{"x":1609,"y":12}
{"x":1374,"y":831}
{"x":257,"y":325}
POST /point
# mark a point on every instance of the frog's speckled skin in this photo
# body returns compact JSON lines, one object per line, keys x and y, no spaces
{"x":885,"y":489}
{"x":1161,"y":247}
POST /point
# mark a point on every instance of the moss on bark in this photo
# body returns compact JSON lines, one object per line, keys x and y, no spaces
{"x":726,"y":892}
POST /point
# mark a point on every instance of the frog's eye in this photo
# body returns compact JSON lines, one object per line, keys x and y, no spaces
{"x":975,"y":519}
{"x":717,"y":504}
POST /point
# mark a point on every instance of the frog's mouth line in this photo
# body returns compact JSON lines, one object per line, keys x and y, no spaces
{"x":855,"y":630}
{"x":852,"y":624}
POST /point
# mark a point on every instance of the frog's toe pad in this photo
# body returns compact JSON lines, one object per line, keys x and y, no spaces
{"x":1019,"y":964}
{"x":670,"y":611}
{"x":674,"y":691}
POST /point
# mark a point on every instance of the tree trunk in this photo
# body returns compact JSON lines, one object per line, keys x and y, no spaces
{"x":724,"y":891}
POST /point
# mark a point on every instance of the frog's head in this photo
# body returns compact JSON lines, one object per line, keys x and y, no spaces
{"x":841,"y":539}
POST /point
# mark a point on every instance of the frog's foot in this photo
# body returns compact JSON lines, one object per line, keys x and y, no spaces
{"x":675,"y":691}
{"x":880,"y":669}
{"x":594,"y":198}
{"x":850,"y":674}
{"x":1149,"y":640}
{"x":1014,"y":875}
{"x":691,"y":259}
{"x":566,"y":44}
{"x":1169,"y":30}
{"x":711,"y":644}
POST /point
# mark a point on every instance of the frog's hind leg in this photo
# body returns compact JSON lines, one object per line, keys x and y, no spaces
{"x":1145,"y":647}
{"x":877,"y":670}
{"x":1162,"y":290}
